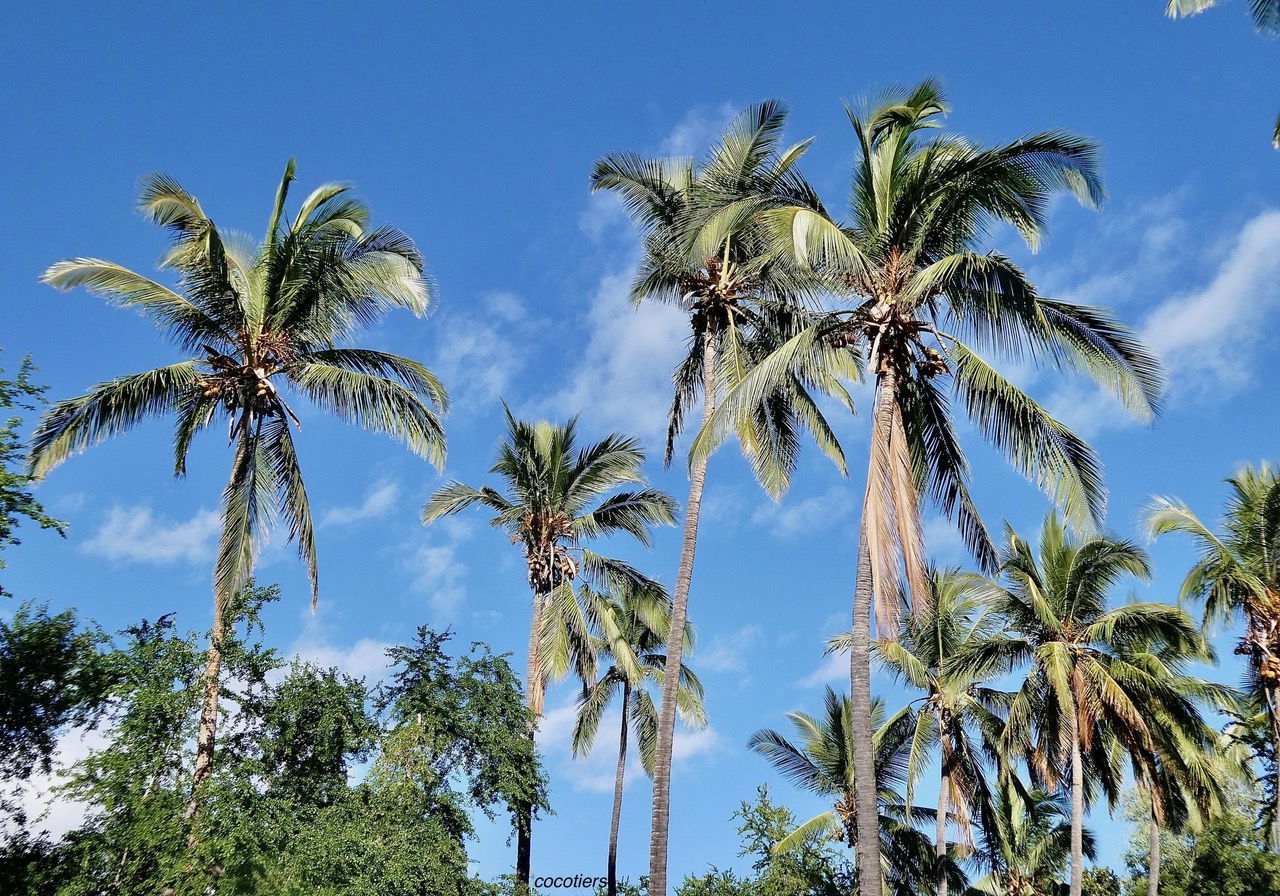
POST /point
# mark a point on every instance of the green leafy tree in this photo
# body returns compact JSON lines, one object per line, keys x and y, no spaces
{"x":259,"y":319}
{"x":1229,"y":856}
{"x":706,"y":253}
{"x":642,"y":618}
{"x":16,"y":500}
{"x":53,"y":675}
{"x":558,"y":497}
{"x":1089,"y":690}
{"x":1238,"y":575}
{"x":921,"y":302}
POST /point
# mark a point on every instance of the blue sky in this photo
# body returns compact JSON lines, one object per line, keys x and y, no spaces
{"x":473,"y":128}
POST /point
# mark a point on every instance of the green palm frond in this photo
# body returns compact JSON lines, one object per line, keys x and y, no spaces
{"x":74,"y":424}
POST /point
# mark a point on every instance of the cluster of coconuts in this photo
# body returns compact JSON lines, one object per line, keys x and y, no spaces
{"x":545,"y":570}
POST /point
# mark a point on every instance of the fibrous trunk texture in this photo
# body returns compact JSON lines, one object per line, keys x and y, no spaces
{"x":618,"y":778}
{"x":533,"y":694}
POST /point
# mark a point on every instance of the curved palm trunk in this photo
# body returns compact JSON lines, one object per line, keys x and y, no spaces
{"x":618,"y":778}
{"x":940,"y":849}
{"x":675,"y":643}
{"x":1153,"y":855}
{"x":206,"y":734}
{"x":534,"y":691}
{"x":1077,"y":811}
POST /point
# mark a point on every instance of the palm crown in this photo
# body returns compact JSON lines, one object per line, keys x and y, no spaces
{"x":258,"y":318}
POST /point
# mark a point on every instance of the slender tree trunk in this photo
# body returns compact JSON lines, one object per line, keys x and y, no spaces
{"x":867,"y":809}
{"x":1077,"y":809}
{"x":1153,"y":855}
{"x":618,"y":778}
{"x":534,"y":689}
{"x":870,"y":882}
{"x":940,"y":847}
{"x":208,"y":727}
{"x":675,"y":642}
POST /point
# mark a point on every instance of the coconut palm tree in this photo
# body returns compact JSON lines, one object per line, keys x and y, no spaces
{"x":261,"y":321}
{"x":957,"y":712}
{"x":1029,"y":838}
{"x":559,"y":496}
{"x":1091,"y":693}
{"x":641,"y":617}
{"x":705,"y":253}
{"x":1238,"y":574}
{"x":921,"y":302}
{"x":821,"y":762}
{"x":1266,"y":19}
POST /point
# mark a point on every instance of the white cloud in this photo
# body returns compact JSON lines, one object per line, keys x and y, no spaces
{"x":624,"y":378}
{"x":790,"y":518}
{"x":728,"y":652}
{"x":834,"y":669}
{"x":52,"y":813}
{"x":480,"y":353}
{"x":366,"y":658}
{"x":1209,"y":339}
{"x":137,"y":535}
{"x":604,"y":215}
{"x":688,"y":744}
{"x":376,"y":503}
{"x":943,"y":541}
{"x":697,"y":131}
{"x":440,"y":574}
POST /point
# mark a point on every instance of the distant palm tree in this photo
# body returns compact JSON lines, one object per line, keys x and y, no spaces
{"x":1030,"y":839}
{"x":958,"y":712}
{"x":1090,"y":692}
{"x":257,"y":317}
{"x":1238,"y":573}
{"x":924,"y":300}
{"x":641,"y":618}
{"x":821,"y":762}
{"x":1266,"y":19}
{"x":705,"y":253}
{"x":559,"y":496}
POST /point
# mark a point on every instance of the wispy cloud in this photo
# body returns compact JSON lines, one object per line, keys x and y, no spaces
{"x":728,"y":652}
{"x":624,"y":377}
{"x":790,"y":518}
{"x":137,"y":535}
{"x":697,"y":130}
{"x":1210,"y":338}
{"x":480,"y":352}
{"x":377,"y":503}
{"x":833,"y":669}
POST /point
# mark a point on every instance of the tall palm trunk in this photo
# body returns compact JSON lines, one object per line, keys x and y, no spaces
{"x":867,"y":819}
{"x":618,"y":778}
{"x":1153,"y":856}
{"x":940,"y":848}
{"x":1077,"y":809}
{"x":675,"y":641}
{"x":534,"y":689}
{"x":207,"y":732}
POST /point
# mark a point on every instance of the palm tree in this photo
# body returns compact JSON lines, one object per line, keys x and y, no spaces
{"x":558,"y":497}
{"x":705,"y":253}
{"x":641,"y":618}
{"x":821,"y":763}
{"x":1091,"y":692}
{"x":1238,"y":574}
{"x":958,"y":712}
{"x":1029,"y":839}
{"x":1266,"y":20}
{"x":257,"y":318}
{"x":918,"y":286}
